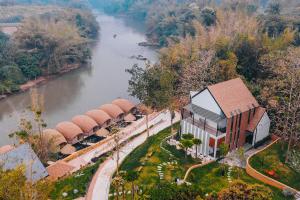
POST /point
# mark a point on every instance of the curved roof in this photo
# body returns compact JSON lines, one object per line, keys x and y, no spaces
{"x":69,"y":130}
{"x":103,"y":132}
{"x":84,"y":122}
{"x":52,"y":135}
{"x":113,"y":110}
{"x":124,"y":104}
{"x":6,"y":148}
{"x":59,"y":169}
{"x":99,"y":116}
{"x":68,"y":149}
{"x":130,"y":118}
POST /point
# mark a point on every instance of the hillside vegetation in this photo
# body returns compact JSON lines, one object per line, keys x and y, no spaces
{"x":50,"y":40}
{"x":206,"y":43}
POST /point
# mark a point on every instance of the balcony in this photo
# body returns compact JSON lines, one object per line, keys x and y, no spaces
{"x":204,"y":126}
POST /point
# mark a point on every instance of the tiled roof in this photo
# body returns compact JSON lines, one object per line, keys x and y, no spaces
{"x":233,"y":97}
{"x":24,"y":155}
{"x":59,"y":169}
{"x":256,"y":119}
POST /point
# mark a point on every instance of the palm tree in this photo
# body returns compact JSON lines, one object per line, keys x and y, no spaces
{"x":196,"y":142}
{"x":131,"y":176}
{"x":188,"y":136}
{"x":186,"y":143}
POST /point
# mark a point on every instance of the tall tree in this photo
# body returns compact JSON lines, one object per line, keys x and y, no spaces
{"x":197,"y":142}
{"x":153,"y":86}
{"x":131,"y":176}
{"x":14,"y":186}
{"x":282,"y":93}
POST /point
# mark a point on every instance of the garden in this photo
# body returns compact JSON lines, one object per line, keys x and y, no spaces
{"x":155,"y":164}
{"x":77,"y":184}
{"x":210,"y":179}
{"x":271,"y":162}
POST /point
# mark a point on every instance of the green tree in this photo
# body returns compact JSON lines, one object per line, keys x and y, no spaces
{"x":167,"y":191}
{"x":186,"y":143}
{"x":14,"y":186}
{"x":274,"y":8}
{"x":153,"y":86}
{"x":196,"y":142}
{"x":188,"y":136}
{"x":131,"y":176}
{"x":117,"y":182}
{"x":224,"y":149}
{"x":209,"y":16}
{"x":248,"y":51}
{"x":241,"y":190}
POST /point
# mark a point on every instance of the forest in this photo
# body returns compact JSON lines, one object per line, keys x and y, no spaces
{"x":205,"y":43}
{"x":53,"y":40}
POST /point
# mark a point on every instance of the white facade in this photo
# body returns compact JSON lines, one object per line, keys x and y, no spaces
{"x":205,"y":100}
{"x":198,"y":133}
{"x":204,"y":136}
{"x":262,"y":129}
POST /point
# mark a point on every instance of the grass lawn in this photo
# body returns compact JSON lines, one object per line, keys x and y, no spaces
{"x":149,"y":155}
{"x":209,"y":179}
{"x":79,"y":180}
{"x":272,"y":159}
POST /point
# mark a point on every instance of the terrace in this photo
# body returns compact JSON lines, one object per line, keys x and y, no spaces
{"x":204,"y":119}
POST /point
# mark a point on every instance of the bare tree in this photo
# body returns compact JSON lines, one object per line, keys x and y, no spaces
{"x":283,"y":94}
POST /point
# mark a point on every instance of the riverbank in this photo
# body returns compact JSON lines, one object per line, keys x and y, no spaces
{"x":40,"y":81}
{"x":84,"y":88}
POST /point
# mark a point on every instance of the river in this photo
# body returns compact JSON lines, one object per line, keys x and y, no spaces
{"x":88,"y":87}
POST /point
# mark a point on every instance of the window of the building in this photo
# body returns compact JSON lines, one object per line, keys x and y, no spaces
{"x":249,"y":115}
{"x":238,"y":131}
{"x":231,"y":128}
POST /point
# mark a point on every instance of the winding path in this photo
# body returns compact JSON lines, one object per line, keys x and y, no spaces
{"x":99,"y":187}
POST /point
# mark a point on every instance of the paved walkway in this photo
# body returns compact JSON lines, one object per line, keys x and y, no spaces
{"x":232,"y":159}
{"x":134,"y":129}
{"x":99,"y":187}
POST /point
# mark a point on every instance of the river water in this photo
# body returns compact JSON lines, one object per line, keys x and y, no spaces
{"x":88,"y":87}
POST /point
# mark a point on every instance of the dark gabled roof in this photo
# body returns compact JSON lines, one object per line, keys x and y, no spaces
{"x":24,"y":155}
{"x":259,"y":113}
{"x":204,"y":113}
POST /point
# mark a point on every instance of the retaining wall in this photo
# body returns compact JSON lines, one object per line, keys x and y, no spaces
{"x":265,"y":179}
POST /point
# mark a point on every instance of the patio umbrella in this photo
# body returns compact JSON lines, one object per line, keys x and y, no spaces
{"x":103,"y":132}
{"x":68,"y":149}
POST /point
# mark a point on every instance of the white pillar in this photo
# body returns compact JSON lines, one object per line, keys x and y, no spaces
{"x":215,"y":149}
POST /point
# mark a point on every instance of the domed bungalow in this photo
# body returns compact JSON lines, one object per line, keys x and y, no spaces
{"x":70,"y":131}
{"x":86,"y":123}
{"x":101,"y":117}
{"x":116,"y":113}
{"x":54,"y":139}
{"x":128,"y":107}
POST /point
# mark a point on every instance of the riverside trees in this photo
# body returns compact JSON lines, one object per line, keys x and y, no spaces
{"x":45,"y":44}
